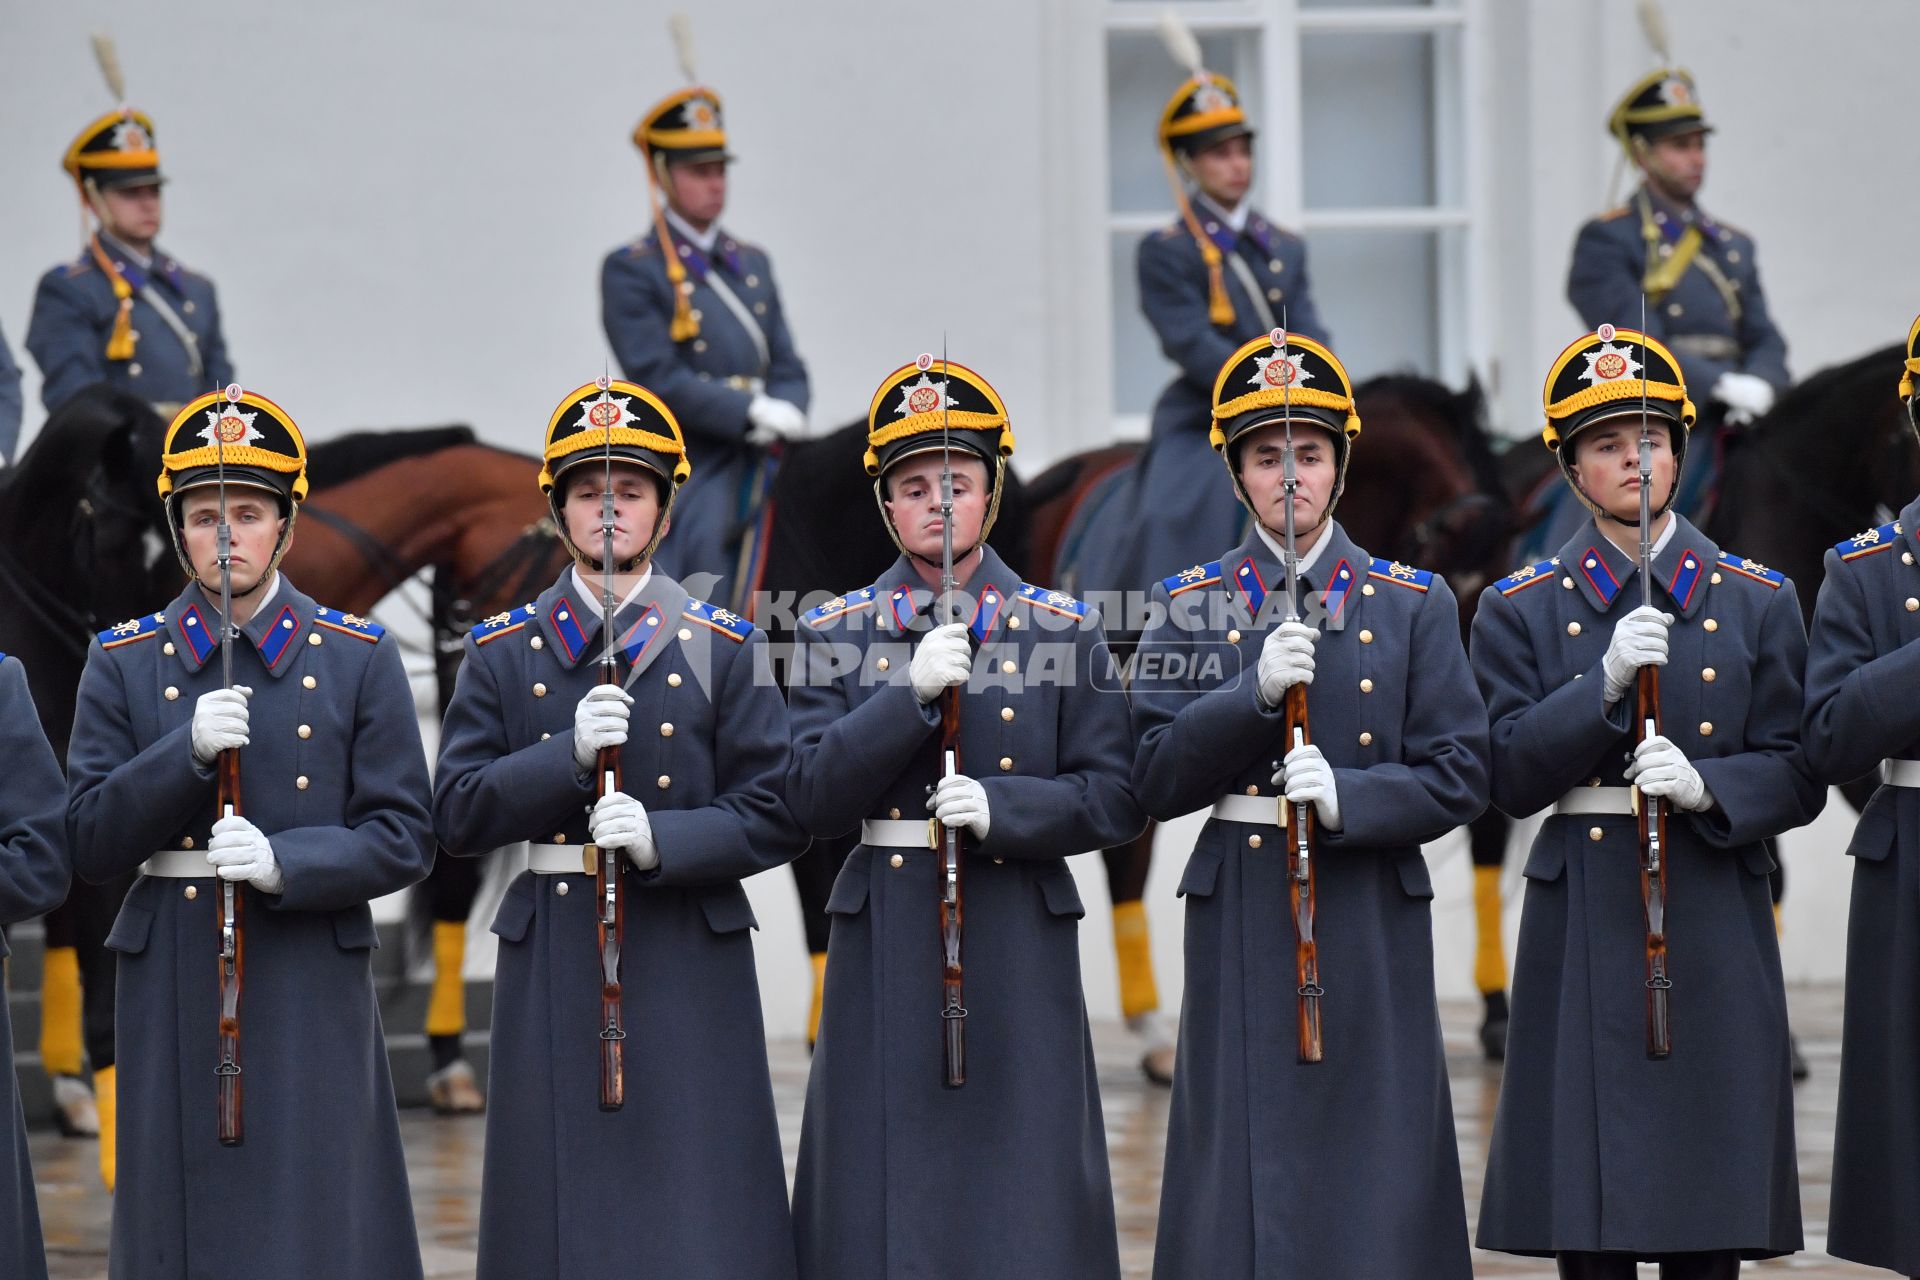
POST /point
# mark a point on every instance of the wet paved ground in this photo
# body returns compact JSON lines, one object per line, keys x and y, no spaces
{"x":444,"y":1156}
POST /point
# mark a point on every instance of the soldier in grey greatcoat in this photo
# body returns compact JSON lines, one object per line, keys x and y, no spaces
{"x":332,"y":813}
{"x":1278,"y":1165}
{"x":685,"y":1177}
{"x":1006,"y":1175}
{"x":1602,"y":1152}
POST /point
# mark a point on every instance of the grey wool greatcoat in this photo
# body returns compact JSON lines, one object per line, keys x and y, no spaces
{"x":335,"y":777}
{"x":1595,"y":1146}
{"x":34,"y":873}
{"x":1346,"y":1168}
{"x":1005,"y":1178}
{"x":1863,"y":705}
{"x":685,"y":1180}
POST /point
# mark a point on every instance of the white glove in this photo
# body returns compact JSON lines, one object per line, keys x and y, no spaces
{"x":944,"y":659}
{"x":600,"y":720}
{"x":618,"y":821}
{"x":1286,"y":659}
{"x":1307,"y":778}
{"x":1639,"y":640}
{"x":1659,"y":768}
{"x":239,"y":851}
{"x":959,"y":801}
{"x":1746,"y":395}
{"x":769,"y":419}
{"x":219,"y":723}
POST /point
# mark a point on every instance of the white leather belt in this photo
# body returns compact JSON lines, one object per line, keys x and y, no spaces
{"x":1617,"y":801}
{"x":894,"y":833}
{"x":1262,"y":810}
{"x":178,"y":864}
{"x":563,"y":859}
{"x":1903,"y":773}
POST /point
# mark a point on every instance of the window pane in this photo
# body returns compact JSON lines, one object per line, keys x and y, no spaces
{"x":1141,"y":76}
{"x":1368,"y":109}
{"x":1379,"y":293}
{"x":1139,"y":370}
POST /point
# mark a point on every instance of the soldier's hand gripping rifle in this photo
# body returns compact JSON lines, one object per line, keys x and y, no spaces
{"x":953,"y":1009}
{"x":610,"y":900}
{"x":1298,"y":819}
{"x":232,"y":1128}
{"x":1651,"y":811}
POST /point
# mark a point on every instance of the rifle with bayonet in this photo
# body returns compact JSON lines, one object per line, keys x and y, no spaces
{"x":228,"y":1111}
{"x":611,"y":901}
{"x":1651,"y":811}
{"x":953,"y":1009}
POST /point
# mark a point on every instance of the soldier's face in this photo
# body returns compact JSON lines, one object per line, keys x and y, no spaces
{"x":1606,"y":464}
{"x":1677,"y":166}
{"x":1263,"y":475}
{"x":132,"y":213}
{"x":698,"y":192}
{"x":913,"y":502}
{"x":636,"y":505}
{"x":256,"y":522}
{"x":1224,"y":171}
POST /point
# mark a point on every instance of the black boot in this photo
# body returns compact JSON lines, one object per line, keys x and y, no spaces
{"x":1796,"y":1058}
{"x":1721,"y":1264}
{"x":1595,"y":1266}
{"x":1493,"y":1027}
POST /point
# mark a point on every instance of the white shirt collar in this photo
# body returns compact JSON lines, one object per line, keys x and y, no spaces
{"x":1666,"y":534}
{"x":591,"y":592}
{"x":1235,"y":217}
{"x":703,"y":240}
{"x":1308,"y":560}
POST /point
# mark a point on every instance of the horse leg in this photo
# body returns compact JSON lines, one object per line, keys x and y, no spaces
{"x":813,"y":875}
{"x":60,"y":1047}
{"x":451,"y":888}
{"x":1487,"y":838}
{"x":1127,"y":867}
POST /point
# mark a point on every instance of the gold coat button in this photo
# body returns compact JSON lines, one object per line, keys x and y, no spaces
{"x":559,"y":837}
{"x":999,"y":862}
{"x":309,"y":682}
{"x":561,"y":888}
{"x":666,"y":731}
{"x":1707,"y":674}
{"x":1233,"y":637}
{"x":1366,"y":686}
{"x":134,"y":368}
{"x":1013,"y":624}
{"x":1006,"y":713}
{"x":1594,"y":833}
{"x":191,"y":892}
{"x":1366,"y":637}
{"x":1366,"y":739}
{"x":894,"y":814}
{"x":1007,"y":667}
{"x":1912,"y":604}
{"x":897,"y":861}
{"x":1906,"y":557}
{"x":172,"y":694}
{"x":306,"y":731}
{"x":1711,"y":625}
{"x":1573,"y":628}
{"x":1714,"y":578}
{"x":883,"y":664}
{"x":539,"y":690}
{"x":663,"y":782}
{"x":545,"y":736}
{"x":686,"y":633}
{"x":1706,"y":728}
{"x":1593,"y":782}
{"x":313,"y":637}
{"x":1006,"y":763}
{"x":538,"y":643}
{"x":167,"y":648}
{"x":186,"y":842}
{"x":1367,"y":590}
{"x":301,"y":782}
{"x":673,"y":680}
{"x":1567,"y":583}
{"x":1253,"y":842}
{"x":1253,"y":791}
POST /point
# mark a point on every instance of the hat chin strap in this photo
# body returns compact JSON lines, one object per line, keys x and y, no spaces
{"x":631,"y":564}
{"x":1633,"y":521}
{"x":986,"y":525}
{"x":273,"y":565}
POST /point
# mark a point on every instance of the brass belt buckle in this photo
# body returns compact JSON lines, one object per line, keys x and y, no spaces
{"x":934,"y":842}
{"x":590,"y":859}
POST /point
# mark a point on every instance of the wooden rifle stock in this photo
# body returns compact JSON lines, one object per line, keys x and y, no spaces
{"x":1301,"y":839}
{"x":611,"y":919}
{"x":953,"y":1009}
{"x":232,"y":957}
{"x":1652,"y":821}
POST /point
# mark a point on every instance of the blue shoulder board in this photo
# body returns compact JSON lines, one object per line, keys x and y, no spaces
{"x":501,"y":624}
{"x":1527,"y":577}
{"x":1404,"y":575}
{"x":838,"y":605}
{"x":348,"y":624}
{"x":1865,"y":544}
{"x":133,"y":629}
{"x":1057,"y":601}
{"x":1201,"y":575}
{"x":725,"y":621}
{"x":1751,"y":569}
